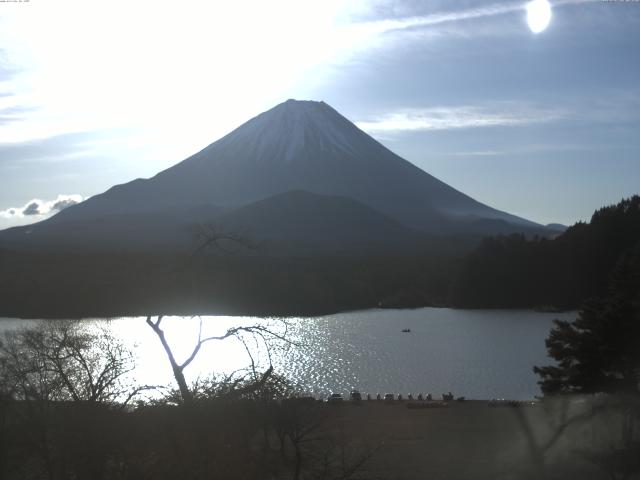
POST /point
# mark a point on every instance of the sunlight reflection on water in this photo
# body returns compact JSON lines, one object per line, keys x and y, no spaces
{"x":476,"y":353}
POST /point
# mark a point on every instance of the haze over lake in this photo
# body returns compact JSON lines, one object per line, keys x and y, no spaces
{"x":473,"y":353}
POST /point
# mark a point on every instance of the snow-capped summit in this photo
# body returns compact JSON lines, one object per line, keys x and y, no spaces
{"x":293,"y":128}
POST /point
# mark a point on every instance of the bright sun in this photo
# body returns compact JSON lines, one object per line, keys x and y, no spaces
{"x":538,"y":15}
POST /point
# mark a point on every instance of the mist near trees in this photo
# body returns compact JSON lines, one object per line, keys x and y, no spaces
{"x":597,"y":357}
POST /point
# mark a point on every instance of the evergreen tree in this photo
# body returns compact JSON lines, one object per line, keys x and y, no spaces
{"x":600,"y":350}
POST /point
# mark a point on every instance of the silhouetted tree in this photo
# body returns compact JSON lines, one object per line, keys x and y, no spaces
{"x":213,"y":237}
{"x":600,"y":350}
{"x":178,"y":368}
{"x":65,"y":360}
{"x":65,"y":384}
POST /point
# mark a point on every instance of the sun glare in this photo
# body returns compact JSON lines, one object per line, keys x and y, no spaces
{"x":162,"y":63}
{"x":538,"y":15}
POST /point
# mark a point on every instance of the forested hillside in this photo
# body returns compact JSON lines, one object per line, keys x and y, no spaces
{"x":516,"y":272}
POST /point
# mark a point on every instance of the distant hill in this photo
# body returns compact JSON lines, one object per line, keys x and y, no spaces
{"x":513,"y":271}
{"x":556,"y":227}
{"x":300,"y":222}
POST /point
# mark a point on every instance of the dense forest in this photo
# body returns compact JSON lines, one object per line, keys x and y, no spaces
{"x":516,"y":272}
{"x":75,"y":285}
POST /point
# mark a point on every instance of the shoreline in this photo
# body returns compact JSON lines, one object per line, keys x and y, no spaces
{"x":221,"y":313}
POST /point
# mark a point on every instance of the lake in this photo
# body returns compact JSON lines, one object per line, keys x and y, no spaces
{"x":473,"y":353}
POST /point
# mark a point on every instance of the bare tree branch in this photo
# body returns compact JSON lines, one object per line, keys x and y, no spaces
{"x":213,"y":236}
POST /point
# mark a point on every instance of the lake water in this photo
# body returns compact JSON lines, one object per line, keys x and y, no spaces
{"x":474,"y":353}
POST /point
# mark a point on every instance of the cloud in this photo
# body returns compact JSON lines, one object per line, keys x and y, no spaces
{"x":32,"y":209}
{"x":58,"y":146}
{"x":63,"y":203}
{"x":37,"y":207}
{"x":452,"y":16}
{"x":457,"y":117}
{"x":8,"y":69}
{"x":477,"y":153}
{"x":382,"y":26}
{"x":13,"y":113}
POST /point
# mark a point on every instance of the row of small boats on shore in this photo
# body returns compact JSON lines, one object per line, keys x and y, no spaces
{"x":422,"y":401}
{"x":501,"y":402}
{"x":356,"y":396}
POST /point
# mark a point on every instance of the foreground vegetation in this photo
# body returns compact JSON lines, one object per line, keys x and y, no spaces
{"x":248,"y":439}
{"x":71,"y":409}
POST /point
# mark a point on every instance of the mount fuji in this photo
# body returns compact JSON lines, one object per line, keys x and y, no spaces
{"x":298,"y":174}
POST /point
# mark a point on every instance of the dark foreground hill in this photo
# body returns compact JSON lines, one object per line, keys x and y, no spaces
{"x":66,"y":285}
{"x":504,"y":272}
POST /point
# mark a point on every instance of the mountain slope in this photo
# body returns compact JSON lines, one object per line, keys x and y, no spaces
{"x":170,"y":229}
{"x":299,"y":145}
{"x":291,"y":223}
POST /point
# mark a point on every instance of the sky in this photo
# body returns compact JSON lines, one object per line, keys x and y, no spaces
{"x":543,"y":125}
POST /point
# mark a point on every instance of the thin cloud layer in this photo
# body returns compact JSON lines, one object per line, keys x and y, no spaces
{"x":382,"y":26}
{"x":37,"y":207}
{"x":446,"y":16}
{"x":448,"y":118}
